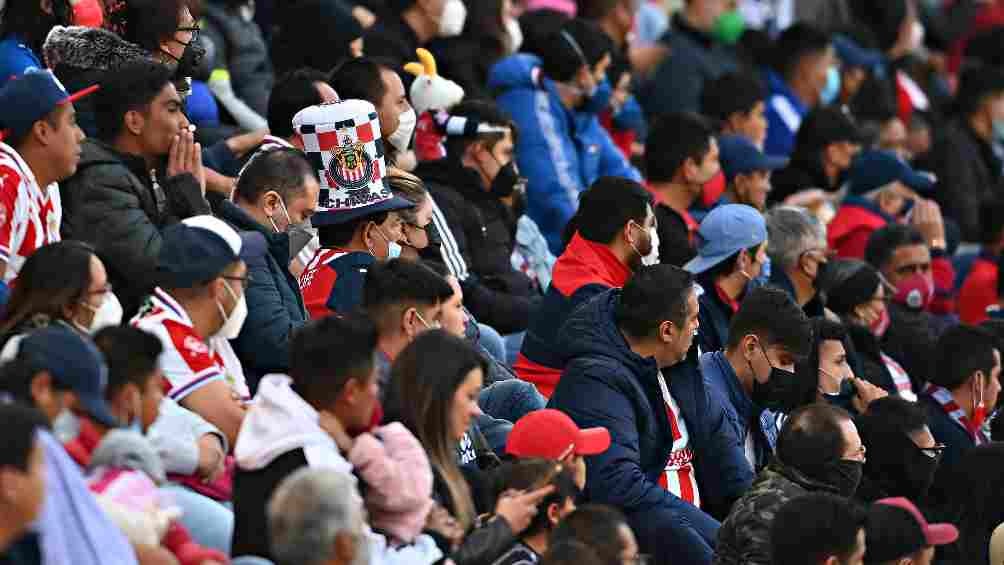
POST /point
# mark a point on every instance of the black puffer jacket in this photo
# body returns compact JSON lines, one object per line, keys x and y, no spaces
{"x":485,"y":231}
{"x":114,"y":203}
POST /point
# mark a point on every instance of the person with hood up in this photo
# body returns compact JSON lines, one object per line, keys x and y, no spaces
{"x":305,"y":420}
{"x":303,"y":36}
{"x":818,"y":450}
{"x":563,"y":148}
{"x":611,"y":235}
{"x":674,"y":458}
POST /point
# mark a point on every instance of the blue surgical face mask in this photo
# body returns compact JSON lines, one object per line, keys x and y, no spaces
{"x":599,"y":99}
{"x":393,"y":250}
{"x":832,"y":89}
{"x":764,"y":278}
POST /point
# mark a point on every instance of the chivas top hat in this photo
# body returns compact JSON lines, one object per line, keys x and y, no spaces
{"x":342,"y":141}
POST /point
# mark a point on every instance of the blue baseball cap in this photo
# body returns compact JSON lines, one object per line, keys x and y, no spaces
{"x":75,"y":363}
{"x":873,"y":169}
{"x":739,"y":157}
{"x":200,"y":248}
{"x":851,"y":54}
{"x":725,"y":231}
{"x":27,"y":98}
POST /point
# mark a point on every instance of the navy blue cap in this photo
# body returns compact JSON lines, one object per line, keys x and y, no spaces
{"x":853,"y":55}
{"x":75,"y":363}
{"x":739,"y":157}
{"x":725,"y":231}
{"x":27,"y":98}
{"x":875,"y":168}
{"x":200,"y":248}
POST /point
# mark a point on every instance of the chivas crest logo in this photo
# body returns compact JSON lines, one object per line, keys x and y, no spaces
{"x":351,"y":167}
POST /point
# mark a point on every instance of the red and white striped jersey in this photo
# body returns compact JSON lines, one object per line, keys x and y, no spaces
{"x":680,"y":477}
{"x":30,"y":216}
{"x":189,"y":362}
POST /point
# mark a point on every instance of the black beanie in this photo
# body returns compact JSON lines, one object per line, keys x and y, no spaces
{"x":851,"y":284}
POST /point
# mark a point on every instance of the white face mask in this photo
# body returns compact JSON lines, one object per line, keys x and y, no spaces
{"x":653,"y":257}
{"x":451,"y":23}
{"x":107,"y":315}
{"x":233,"y":323}
{"x":401,"y":137}
{"x":515,"y":32}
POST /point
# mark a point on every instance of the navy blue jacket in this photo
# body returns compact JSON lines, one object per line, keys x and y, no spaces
{"x":739,"y":408}
{"x":605,"y":384}
{"x":715,"y":317}
{"x":957,"y":441}
{"x":275,"y":305}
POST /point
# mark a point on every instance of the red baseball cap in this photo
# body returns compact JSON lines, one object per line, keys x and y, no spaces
{"x":934,"y":534}
{"x":551,"y":434}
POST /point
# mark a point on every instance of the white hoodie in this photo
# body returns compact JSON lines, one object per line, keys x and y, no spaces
{"x":279,"y":421}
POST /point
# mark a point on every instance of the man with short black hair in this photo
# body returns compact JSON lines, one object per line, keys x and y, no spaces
{"x":681,"y":156}
{"x":379,"y":84}
{"x":737,"y":100}
{"x":962,"y":392}
{"x":674,"y":456}
{"x":818,"y":450}
{"x":756,"y":369}
{"x":897,"y":533}
{"x":819,"y":529}
{"x":276,"y":194}
{"x":612,"y":234}
{"x":803,"y":57}
{"x":117,"y":201}
{"x":527,"y":475}
{"x":291,"y":93}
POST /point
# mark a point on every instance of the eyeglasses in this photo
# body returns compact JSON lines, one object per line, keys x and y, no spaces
{"x":245,"y":280}
{"x":935,"y":452}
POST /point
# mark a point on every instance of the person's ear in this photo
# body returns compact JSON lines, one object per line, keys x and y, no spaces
{"x":690,"y":168}
{"x":553,"y":513}
{"x":345,"y":547}
{"x":271,"y":202}
{"x":668,"y":332}
{"x":134,"y":122}
{"x":41,"y":389}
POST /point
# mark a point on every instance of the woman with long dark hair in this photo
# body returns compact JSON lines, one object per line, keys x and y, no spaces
{"x":434,"y":392}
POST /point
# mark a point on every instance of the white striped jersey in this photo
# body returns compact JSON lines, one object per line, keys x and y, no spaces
{"x":679,"y":477}
{"x":30,"y":216}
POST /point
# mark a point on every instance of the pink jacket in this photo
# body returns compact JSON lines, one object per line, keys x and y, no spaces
{"x":398,"y":475}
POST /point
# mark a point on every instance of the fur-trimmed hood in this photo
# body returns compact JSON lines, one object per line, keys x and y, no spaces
{"x":89,"y":49}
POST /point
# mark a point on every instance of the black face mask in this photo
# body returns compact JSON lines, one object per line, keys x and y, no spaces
{"x":506,"y":181}
{"x":844,"y":398}
{"x":918,"y":473}
{"x":190,"y":60}
{"x":843,"y":474}
{"x":780,"y":393}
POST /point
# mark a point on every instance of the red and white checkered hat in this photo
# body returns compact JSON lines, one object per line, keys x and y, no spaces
{"x":342,"y":141}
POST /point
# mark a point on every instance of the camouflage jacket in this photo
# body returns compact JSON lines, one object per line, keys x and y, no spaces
{"x":744,"y":538}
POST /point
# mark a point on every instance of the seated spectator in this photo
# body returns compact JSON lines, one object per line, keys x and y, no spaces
{"x":26,"y":23}
{"x":612,"y":234}
{"x":404,"y":299}
{"x":818,"y":450}
{"x":859,"y":294}
{"x":963,"y":390}
{"x":114,"y":201}
{"x":63,"y":284}
{"x":881,"y":189}
{"x":754,"y":373}
{"x":818,"y":528}
{"x":304,"y":420}
{"x":601,"y":528}
{"x":562,"y":148}
{"x":896,"y":531}
{"x":440,"y":376}
{"x":798,"y":255}
{"x":697,"y":58}
{"x":531,"y":474}
{"x":24,"y":482}
{"x":963,"y":158}
{"x":731,"y":254}
{"x":681,"y":156}
{"x":46,"y":375}
{"x":276,"y":195}
{"x":974,"y":504}
{"x":480,"y":192}
{"x":550,"y":434}
{"x":737,"y":101}
{"x":923,"y":276}
{"x":199,"y":306}
{"x":417,"y":221}
{"x":824,"y":150}
{"x":827,"y":376}
{"x":858,"y":61}
{"x":42,"y":148}
{"x":490,"y":33}
{"x":301,"y":25}
{"x":902,"y":454}
{"x":292,"y":92}
{"x":747,"y":171}
{"x":407,"y":25}
{"x":242,"y":74}
{"x":377,"y":83}
{"x":674,"y":456}
{"x":979,"y":291}
{"x":355,"y":230}
{"x":316,"y":516}
{"x":800,"y":63}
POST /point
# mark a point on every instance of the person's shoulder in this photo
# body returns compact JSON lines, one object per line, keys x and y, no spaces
{"x":518,"y":554}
